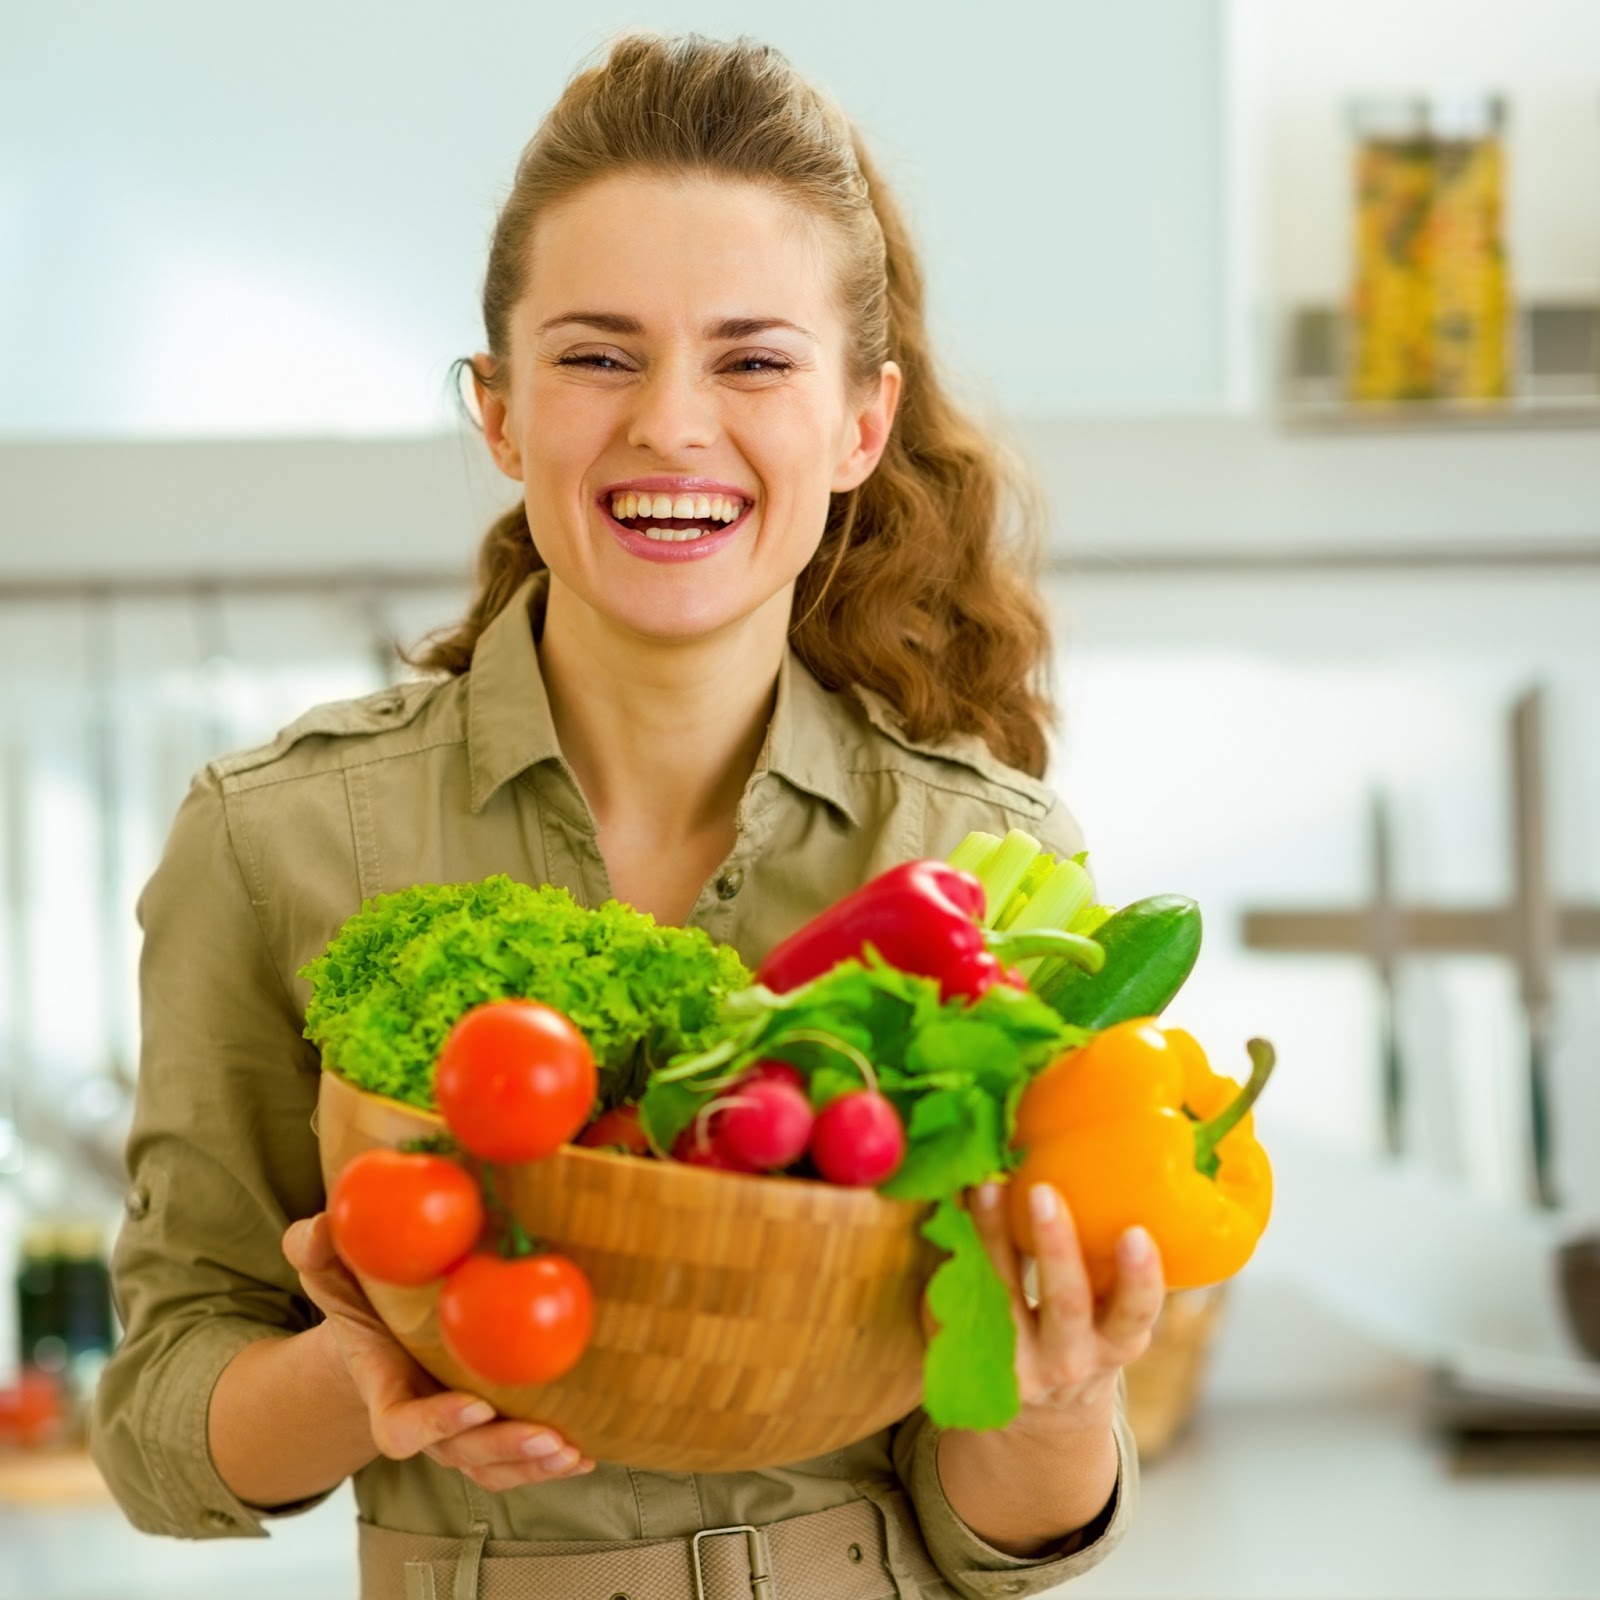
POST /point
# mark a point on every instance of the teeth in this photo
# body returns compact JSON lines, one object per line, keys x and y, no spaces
{"x":716,"y":507}
{"x":674,"y":535}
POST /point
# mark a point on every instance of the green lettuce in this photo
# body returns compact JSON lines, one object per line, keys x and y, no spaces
{"x":407,"y":966}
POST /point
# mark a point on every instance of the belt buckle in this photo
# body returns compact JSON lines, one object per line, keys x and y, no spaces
{"x":761,"y":1585}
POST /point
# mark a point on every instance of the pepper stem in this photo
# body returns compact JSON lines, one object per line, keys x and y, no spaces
{"x":1208,"y":1135}
{"x":1074,"y":947}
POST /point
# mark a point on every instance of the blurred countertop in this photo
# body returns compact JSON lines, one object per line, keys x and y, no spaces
{"x":1324,"y":1502}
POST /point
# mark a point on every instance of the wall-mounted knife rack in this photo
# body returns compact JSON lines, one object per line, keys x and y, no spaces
{"x":1531,"y":929}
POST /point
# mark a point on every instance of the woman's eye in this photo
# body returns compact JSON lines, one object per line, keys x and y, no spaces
{"x":743,"y":364}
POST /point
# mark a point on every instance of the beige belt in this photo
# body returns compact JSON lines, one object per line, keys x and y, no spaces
{"x":868,"y":1549}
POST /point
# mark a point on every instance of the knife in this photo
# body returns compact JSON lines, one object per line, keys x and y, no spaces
{"x":1385,"y":948}
{"x":1536,"y":934}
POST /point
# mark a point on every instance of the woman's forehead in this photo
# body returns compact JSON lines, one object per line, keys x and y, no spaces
{"x":677,"y":255}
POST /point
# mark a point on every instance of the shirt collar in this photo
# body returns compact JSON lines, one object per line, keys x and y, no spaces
{"x":509,"y":726}
{"x":809,"y":737}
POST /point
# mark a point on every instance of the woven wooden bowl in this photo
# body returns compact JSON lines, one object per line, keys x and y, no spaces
{"x":740,"y":1322}
{"x":1164,"y":1383}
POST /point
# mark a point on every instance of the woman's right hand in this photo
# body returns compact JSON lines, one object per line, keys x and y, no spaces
{"x":408,"y":1411}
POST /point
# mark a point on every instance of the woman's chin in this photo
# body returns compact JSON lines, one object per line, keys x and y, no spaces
{"x":675,"y":606}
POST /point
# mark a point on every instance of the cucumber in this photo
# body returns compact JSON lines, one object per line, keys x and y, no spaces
{"x":1150,"y":949}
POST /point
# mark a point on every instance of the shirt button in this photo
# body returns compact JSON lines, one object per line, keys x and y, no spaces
{"x":218,"y":1519}
{"x":136,"y":1202}
{"x":730,"y":883}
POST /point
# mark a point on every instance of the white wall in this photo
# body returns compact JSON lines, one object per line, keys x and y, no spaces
{"x":224,"y":220}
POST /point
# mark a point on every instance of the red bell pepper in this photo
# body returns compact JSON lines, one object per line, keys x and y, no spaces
{"x":922,"y":917}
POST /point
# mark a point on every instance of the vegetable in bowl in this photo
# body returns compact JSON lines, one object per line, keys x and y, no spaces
{"x":399,"y":974}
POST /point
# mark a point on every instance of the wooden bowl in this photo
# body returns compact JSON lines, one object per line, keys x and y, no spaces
{"x":740,"y":1322}
{"x":1164,"y":1383}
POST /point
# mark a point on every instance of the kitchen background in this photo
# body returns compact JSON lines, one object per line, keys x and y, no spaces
{"x":1315,"y":657}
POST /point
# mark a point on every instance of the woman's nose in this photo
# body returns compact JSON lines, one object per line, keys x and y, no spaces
{"x":672,"y":412}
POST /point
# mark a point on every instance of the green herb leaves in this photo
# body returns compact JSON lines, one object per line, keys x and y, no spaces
{"x":969,"y":1375}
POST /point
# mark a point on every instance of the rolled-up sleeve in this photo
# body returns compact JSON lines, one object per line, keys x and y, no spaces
{"x":972,"y":1566}
{"x":221,"y":1158}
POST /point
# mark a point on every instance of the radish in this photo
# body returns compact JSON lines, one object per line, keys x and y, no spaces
{"x":858,"y":1139}
{"x":766,"y":1121}
{"x":771,"y":1071}
{"x":695,"y":1153}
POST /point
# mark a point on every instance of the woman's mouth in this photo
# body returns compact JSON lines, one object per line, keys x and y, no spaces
{"x":662,"y":535}
{"x":675,"y":518}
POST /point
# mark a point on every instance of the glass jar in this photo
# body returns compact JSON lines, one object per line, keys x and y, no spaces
{"x":65,"y":1316}
{"x":1430,"y":311}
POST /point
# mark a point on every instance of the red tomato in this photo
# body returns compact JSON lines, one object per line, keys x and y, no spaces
{"x":515,"y":1080}
{"x":618,"y":1129}
{"x":404,"y":1218}
{"x":522,"y":1321}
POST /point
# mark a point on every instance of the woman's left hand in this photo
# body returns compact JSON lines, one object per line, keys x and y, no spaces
{"x":1069,"y":1348}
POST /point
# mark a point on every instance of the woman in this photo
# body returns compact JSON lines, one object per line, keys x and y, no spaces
{"x":749,"y":637}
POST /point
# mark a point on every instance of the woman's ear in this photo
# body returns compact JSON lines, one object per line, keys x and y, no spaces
{"x":495,"y":413}
{"x":868,"y":436}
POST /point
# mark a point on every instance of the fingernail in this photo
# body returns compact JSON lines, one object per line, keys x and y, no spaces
{"x":564,"y":1459}
{"x":988,"y":1196}
{"x":475,"y":1415}
{"x":1135,"y":1247}
{"x":540,"y":1444}
{"x":1042,"y":1202}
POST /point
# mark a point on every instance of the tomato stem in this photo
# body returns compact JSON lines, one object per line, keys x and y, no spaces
{"x":512,"y":1240}
{"x":435,"y":1144}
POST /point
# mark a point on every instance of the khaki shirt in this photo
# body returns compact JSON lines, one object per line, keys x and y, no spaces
{"x":445,"y":781}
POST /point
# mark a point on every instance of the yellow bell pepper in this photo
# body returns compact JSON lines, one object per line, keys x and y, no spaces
{"x":1135,"y":1129}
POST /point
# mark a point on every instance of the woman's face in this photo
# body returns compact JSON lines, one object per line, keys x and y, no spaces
{"x":628,"y":366}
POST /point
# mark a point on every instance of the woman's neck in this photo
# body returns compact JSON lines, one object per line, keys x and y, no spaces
{"x":661,"y":736}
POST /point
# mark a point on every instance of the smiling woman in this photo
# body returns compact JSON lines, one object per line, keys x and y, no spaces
{"x":788,"y":345}
{"x":775,"y":430}
{"x":755,"y":630}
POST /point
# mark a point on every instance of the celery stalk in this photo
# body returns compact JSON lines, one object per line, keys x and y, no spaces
{"x":1043,"y":865}
{"x":973,"y":852}
{"x":1046,"y":970}
{"x":1004,"y":871}
{"x":1062,"y":895}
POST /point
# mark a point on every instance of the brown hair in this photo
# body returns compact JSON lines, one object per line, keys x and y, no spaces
{"x":915,"y":590}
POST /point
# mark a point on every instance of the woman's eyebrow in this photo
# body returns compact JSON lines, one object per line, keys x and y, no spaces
{"x":727,"y":328}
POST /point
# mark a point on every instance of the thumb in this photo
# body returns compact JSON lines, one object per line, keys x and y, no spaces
{"x":308,"y":1243}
